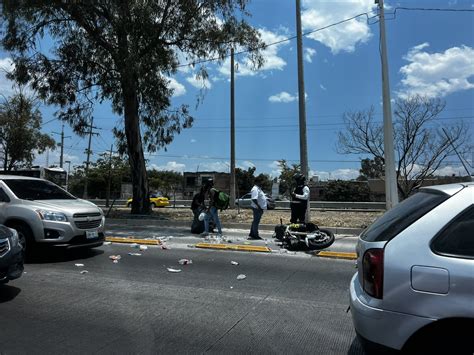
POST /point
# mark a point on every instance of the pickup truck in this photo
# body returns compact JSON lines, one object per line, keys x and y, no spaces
{"x":44,"y":214}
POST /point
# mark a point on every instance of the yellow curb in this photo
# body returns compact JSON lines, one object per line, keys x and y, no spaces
{"x":338,"y":255}
{"x":131,"y":241}
{"x":233,"y":247}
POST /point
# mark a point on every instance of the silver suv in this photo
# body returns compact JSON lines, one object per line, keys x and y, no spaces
{"x":44,"y":214}
{"x":414,"y":289}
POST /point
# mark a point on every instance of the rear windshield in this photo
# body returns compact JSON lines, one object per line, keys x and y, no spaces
{"x":403,"y":215}
{"x":37,"y":190}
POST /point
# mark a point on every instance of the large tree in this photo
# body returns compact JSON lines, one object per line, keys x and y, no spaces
{"x":123,"y":51}
{"x":420,"y":146}
{"x":20,"y":132}
{"x":165,"y":181}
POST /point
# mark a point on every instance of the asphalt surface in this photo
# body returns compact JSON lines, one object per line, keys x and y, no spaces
{"x":181,"y":237}
{"x":286,"y":304}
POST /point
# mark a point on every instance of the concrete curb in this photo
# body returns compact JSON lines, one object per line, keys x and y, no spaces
{"x":185,"y":224}
{"x":235,"y":247}
{"x":336,"y":255}
{"x":132,"y":241}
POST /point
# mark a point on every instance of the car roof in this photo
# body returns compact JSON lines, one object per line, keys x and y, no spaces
{"x":450,"y":189}
{"x":17,"y":177}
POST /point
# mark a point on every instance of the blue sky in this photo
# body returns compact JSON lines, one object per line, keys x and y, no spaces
{"x":430,"y":52}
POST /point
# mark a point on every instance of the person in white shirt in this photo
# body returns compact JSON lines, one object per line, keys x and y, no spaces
{"x":259,"y":204}
{"x":299,"y":202}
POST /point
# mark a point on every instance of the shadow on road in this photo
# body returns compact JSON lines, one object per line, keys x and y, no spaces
{"x":8,"y":293}
{"x":51,"y":255}
{"x":356,"y":348}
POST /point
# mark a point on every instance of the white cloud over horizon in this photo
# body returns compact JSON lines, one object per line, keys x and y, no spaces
{"x":169,"y":166}
{"x":309,"y":54}
{"x":283,"y":96}
{"x":343,"y":37}
{"x":199,"y":83}
{"x":178,"y":88}
{"x":437,"y":74}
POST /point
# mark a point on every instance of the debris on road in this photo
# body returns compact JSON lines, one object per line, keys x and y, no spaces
{"x":165,"y":247}
{"x":185,"y":261}
{"x":143,"y":247}
{"x":247,"y":243}
{"x":241,"y":277}
{"x":115,"y":258}
{"x":134,"y":245}
{"x":234,"y":263}
{"x":134,"y":254}
{"x":79,"y":265}
{"x":170,"y":269}
{"x":84,"y":272}
{"x":107,"y":243}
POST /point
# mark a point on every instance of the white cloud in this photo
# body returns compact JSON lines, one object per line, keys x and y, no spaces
{"x":283,"y":97}
{"x":217,"y":166}
{"x":6,"y":86}
{"x":193,"y":140}
{"x":309,"y":54}
{"x":452,"y":170}
{"x":246,"y":164}
{"x":169,"y":166}
{"x":272,"y":60}
{"x":338,"y":174}
{"x":53,"y":158}
{"x":199,"y":83}
{"x":343,"y":37}
{"x":322,"y":87}
{"x":178,"y":88}
{"x":437,"y":74}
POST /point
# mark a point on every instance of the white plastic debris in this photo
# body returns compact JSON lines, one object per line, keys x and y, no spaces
{"x":170,"y":269}
{"x":134,"y":254}
{"x":185,"y":261}
{"x":231,"y":287}
{"x":107,"y":243}
{"x":115,"y":261}
{"x":115,"y":257}
{"x":84,"y":272}
{"x":79,"y":265}
{"x":234,"y":263}
{"x":165,"y":247}
{"x":134,"y":245}
{"x":143,"y":247}
{"x":241,"y":277}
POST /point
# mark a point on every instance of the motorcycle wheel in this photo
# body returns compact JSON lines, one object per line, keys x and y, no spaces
{"x":325,"y":240}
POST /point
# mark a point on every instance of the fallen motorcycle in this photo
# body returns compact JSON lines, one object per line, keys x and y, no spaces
{"x":295,"y":235}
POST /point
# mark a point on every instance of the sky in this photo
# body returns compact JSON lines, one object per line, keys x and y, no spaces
{"x":429,"y":53}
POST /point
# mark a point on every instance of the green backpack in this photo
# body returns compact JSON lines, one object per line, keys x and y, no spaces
{"x":221,"y":199}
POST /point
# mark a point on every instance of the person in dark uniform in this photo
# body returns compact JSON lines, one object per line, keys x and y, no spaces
{"x":299,"y":201}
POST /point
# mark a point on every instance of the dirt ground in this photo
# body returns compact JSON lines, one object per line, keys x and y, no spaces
{"x":341,"y":218}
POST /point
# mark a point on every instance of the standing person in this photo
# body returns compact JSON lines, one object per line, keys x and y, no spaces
{"x":299,"y":203}
{"x":211,"y":211}
{"x":259,"y":205}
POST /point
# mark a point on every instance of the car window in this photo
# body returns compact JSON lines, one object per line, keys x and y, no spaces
{"x":457,"y":239}
{"x":403,"y":215}
{"x":3,"y":196}
{"x":37,"y":190}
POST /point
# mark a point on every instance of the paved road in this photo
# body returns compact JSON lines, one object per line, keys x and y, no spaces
{"x":286,"y":304}
{"x":181,"y":236}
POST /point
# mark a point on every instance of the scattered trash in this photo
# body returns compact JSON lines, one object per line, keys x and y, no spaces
{"x":79,"y":265}
{"x":84,"y":272}
{"x":134,"y":254}
{"x":143,"y":247}
{"x":134,"y":245}
{"x":165,"y":247}
{"x":234,"y":263}
{"x":115,"y":261}
{"x":107,"y":243}
{"x":282,"y":251}
{"x":241,"y":277}
{"x":170,"y":269}
{"x":185,"y":262}
{"x":266,"y":242}
{"x":191,"y":246}
{"x":247,"y":243}
{"x":115,"y":257}
{"x":231,"y":287}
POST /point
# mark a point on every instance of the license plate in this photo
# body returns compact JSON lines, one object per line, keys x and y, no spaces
{"x":91,"y":234}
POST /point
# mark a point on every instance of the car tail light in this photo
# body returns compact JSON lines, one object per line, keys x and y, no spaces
{"x":372,"y":271}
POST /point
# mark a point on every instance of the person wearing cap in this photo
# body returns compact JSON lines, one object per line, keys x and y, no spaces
{"x":211,"y":211}
{"x":299,"y":202}
{"x":259,"y":205}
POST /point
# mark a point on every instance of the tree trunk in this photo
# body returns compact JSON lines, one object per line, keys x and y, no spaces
{"x":141,"y":203}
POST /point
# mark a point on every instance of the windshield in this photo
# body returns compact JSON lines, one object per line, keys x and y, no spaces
{"x":403,"y":215}
{"x":37,"y":190}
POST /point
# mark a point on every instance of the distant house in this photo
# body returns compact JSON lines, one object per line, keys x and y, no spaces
{"x":194,"y":180}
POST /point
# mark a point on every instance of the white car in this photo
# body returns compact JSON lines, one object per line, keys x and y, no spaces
{"x":414,"y":289}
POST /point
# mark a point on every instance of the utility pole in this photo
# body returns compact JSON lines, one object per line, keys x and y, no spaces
{"x":302,"y":102}
{"x":61,"y":158}
{"x":68,"y":162}
{"x":391,"y":191}
{"x":85,"y":196}
{"x":232,"y":130}
{"x":110,"y":177}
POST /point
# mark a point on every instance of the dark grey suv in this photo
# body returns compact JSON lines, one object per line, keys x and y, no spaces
{"x":11,"y":255}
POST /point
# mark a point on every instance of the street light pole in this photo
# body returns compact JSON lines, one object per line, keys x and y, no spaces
{"x":302,"y":101}
{"x":391,"y":192}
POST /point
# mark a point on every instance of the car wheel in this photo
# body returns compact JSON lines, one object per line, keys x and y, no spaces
{"x":325,"y":239}
{"x":25,"y":237}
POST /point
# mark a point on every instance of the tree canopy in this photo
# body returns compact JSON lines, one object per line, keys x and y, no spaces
{"x":20,"y":132}
{"x":287,"y":176}
{"x":123,"y":52}
{"x":420,"y":148}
